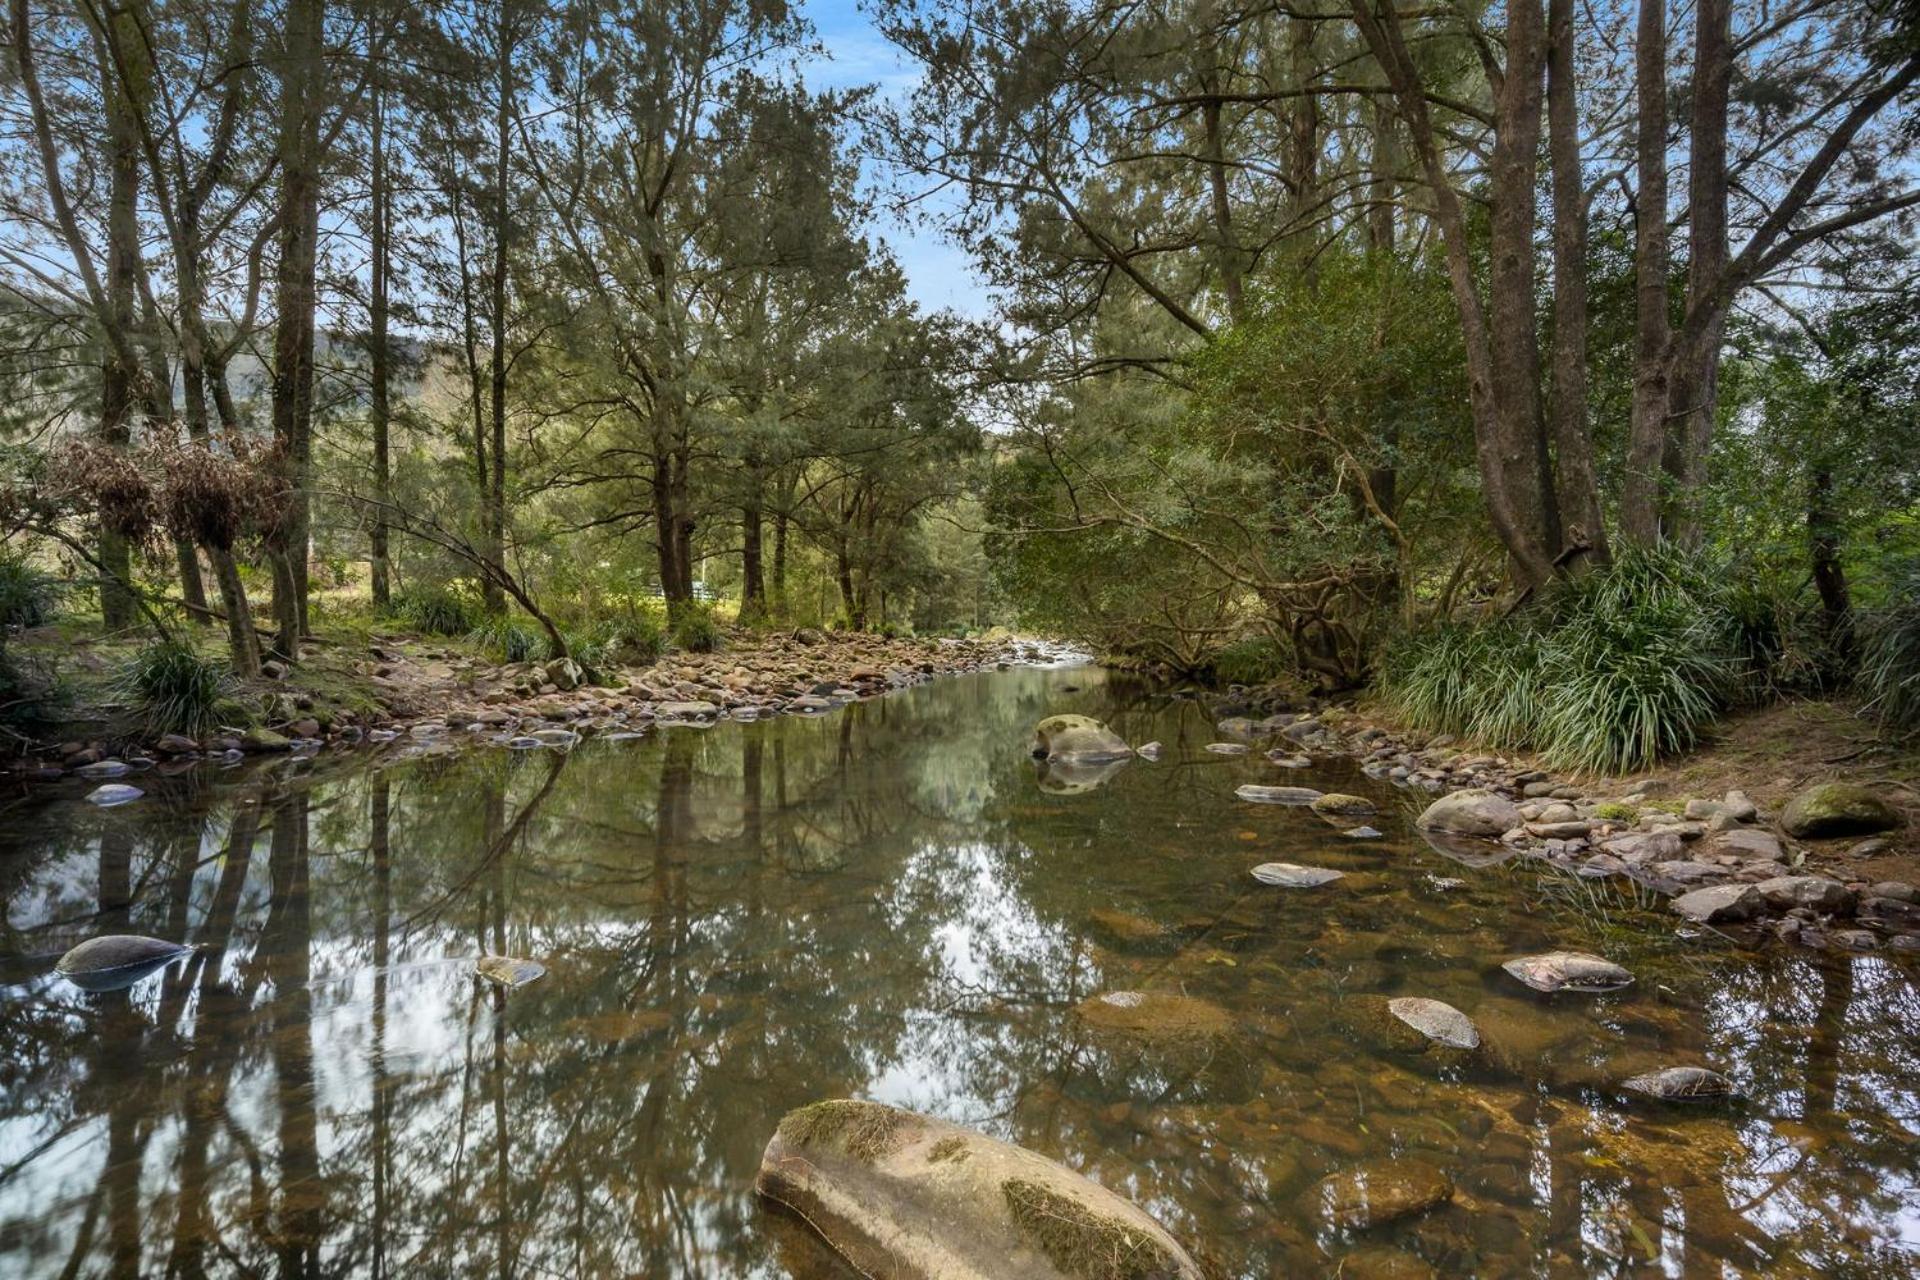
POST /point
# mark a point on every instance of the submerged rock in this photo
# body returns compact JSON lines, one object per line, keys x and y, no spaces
{"x":1471,"y":813}
{"x":1575,"y":971}
{"x":1227,"y":748}
{"x":114,"y":793}
{"x":1287,"y":760}
{"x":507,"y":971}
{"x":1379,"y":1191}
{"x":1437,"y":1021}
{"x":1338,"y":804}
{"x":1081,"y":739}
{"x":901,"y":1194}
{"x":1361,"y":833}
{"x":1838,"y":809}
{"x":1154,"y":1015}
{"x":1151,"y":751}
{"x":1287,"y":875}
{"x":1276,"y":795}
{"x":117,"y":960}
{"x":1682,"y":1084}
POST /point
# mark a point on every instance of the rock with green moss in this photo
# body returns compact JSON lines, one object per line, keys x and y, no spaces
{"x":1340,"y":805}
{"x":1379,"y":1191}
{"x":1838,"y":809}
{"x":1077,"y":739}
{"x":900,"y":1194}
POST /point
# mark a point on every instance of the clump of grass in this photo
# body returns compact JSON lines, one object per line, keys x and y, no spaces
{"x":1608,"y":673}
{"x":1614,"y":811}
{"x":507,"y":639}
{"x":953,"y":1147}
{"x":436,"y":611}
{"x":695,"y":630}
{"x":1890,"y":666}
{"x":28,"y":595}
{"x":1083,"y":1243}
{"x":172,"y":689}
{"x":865,"y":1130}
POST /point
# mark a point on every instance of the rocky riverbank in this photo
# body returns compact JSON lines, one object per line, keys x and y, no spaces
{"x":1722,"y":860}
{"x":402,"y":687}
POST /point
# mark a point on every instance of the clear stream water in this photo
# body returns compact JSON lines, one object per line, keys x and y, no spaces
{"x":884,"y":902}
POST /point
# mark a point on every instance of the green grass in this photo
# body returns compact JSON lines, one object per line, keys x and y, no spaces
{"x":172,"y":689}
{"x":28,"y":595}
{"x":695,"y":629}
{"x":438,"y":611}
{"x":1890,"y":666}
{"x":1605,"y":674}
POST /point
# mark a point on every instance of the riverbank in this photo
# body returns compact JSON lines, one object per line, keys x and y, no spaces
{"x":1795,"y":818}
{"x":384,"y":685}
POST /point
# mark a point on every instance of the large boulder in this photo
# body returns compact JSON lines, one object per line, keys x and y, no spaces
{"x":1471,"y":813}
{"x":901,"y":1194}
{"x":1077,"y":738}
{"x":1721,"y":904}
{"x":1817,"y":893}
{"x":1838,"y":809}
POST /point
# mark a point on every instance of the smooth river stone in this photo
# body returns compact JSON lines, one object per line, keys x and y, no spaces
{"x":114,"y":793}
{"x":900,"y":1194}
{"x":1380,"y":1191}
{"x":1287,"y":875}
{"x":1568,"y":971}
{"x":508,"y":971}
{"x":1437,"y":1020}
{"x":1682,"y":1084}
{"x":117,"y":960}
{"x":1276,"y":795}
{"x":1071,"y":739}
{"x":1227,"y":748}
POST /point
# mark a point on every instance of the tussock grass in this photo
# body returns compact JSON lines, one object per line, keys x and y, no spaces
{"x":1890,"y":666}
{"x":172,"y":689}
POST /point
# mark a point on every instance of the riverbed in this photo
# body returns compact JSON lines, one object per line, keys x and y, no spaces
{"x":890,"y":901}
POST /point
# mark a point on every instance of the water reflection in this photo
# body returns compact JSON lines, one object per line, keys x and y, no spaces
{"x":888,"y":902}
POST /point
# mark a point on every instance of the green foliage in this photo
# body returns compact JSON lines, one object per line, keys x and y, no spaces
{"x":1255,"y":660}
{"x":1890,"y":666}
{"x":695,"y":629}
{"x":436,"y":611}
{"x":507,"y":639}
{"x":1610,"y":672}
{"x":172,"y":689}
{"x":28,"y":595}
{"x":31,"y":696}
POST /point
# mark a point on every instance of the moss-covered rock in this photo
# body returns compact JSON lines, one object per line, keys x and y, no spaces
{"x":900,"y":1194}
{"x":1838,"y":809}
{"x":1080,"y":739}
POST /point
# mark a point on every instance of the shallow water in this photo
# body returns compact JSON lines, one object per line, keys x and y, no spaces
{"x":885,"y":902}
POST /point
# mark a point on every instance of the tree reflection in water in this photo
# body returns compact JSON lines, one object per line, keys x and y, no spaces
{"x":881,"y":902}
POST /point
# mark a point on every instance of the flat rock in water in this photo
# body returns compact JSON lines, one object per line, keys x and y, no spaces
{"x":1154,"y":1015}
{"x":555,"y":737}
{"x":1722,"y":903}
{"x":507,"y":971}
{"x":1337,"y":804}
{"x":1227,"y":748}
{"x":1290,"y":761}
{"x":1568,"y":971}
{"x":900,"y":1194}
{"x":1361,"y":833}
{"x":1287,"y":875}
{"x":1276,"y":795}
{"x":1437,"y":1021}
{"x":1816,"y":892}
{"x":686,"y":711}
{"x":1682,"y":1084}
{"x":113,"y":793}
{"x":1151,"y":751}
{"x":105,"y":769}
{"x":117,"y":960}
{"x":1379,"y":1191}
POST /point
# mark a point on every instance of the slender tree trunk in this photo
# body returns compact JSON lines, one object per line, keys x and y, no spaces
{"x":753,"y":583}
{"x":849,"y":598}
{"x":1583,"y":524}
{"x":780,"y":560}
{"x":1303,"y":123}
{"x":1385,"y":164}
{"x":1830,"y":573}
{"x":496,"y":492}
{"x":1694,"y":390}
{"x":1647,"y":431}
{"x":120,"y":376}
{"x":302,"y":79}
{"x":1226,"y":251}
{"x":379,"y":357}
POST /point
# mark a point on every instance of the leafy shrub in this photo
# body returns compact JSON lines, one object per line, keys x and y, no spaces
{"x":1890,"y":666}
{"x":695,"y":630}
{"x":30,"y":697}
{"x":436,"y":611}
{"x":28,"y":596}
{"x":172,"y":689}
{"x":1606,"y":673}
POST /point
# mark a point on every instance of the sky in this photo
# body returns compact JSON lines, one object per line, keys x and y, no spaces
{"x":939,"y":275}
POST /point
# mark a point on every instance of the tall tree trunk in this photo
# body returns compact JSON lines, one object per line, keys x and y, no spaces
{"x":753,"y":583}
{"x":1385,"y":165}
{"x":121,"y":374}
{"x":496,"y":493}
{"x":1303,"y":123}
{"x":302,"y":79}
{"x":1647,"y":431}
{"x":1829,"y":574}
{"x":1694,"y":389}
{"x":379,"y":357}
{"x":1583,"y":524}
{"x":1226,"y":251}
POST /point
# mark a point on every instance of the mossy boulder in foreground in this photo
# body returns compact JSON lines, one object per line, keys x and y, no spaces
{"x":906,"y":1196}
{"x":1838,"y":809}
